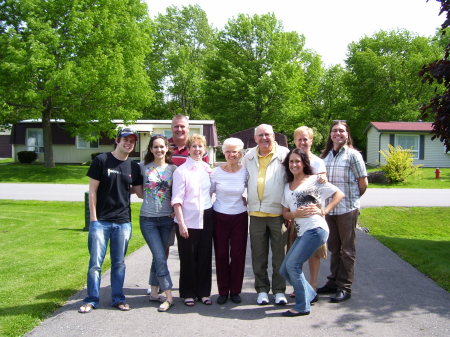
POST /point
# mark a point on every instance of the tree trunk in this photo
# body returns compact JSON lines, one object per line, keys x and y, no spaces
{"x":47,"y":134}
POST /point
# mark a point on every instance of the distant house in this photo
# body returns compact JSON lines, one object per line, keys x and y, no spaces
{"x":5,"y":144}
{"x":27,"y":136}
{"x":248,"y":138}
{"x":415,"y":136}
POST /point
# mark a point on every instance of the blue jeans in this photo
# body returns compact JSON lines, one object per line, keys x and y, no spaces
{"x":100,"y":232}
{"x":156,"y":231}
{"x":291,"y":268}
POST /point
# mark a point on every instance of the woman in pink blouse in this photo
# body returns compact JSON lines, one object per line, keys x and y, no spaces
{"x":191,"y":201}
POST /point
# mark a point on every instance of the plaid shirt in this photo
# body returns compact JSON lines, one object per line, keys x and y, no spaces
{"x":343,"y":171}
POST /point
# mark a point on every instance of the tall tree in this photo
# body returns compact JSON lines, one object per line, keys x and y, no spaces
{"x":382,"y":78}
{"x":439,"y":72}
{"x":256,"y":74}
{"x":81,"y":61}
{"x":182,"y":40}
{"x":328,"y":101}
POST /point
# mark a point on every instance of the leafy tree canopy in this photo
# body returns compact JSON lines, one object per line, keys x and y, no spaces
{"x":382,"y":78}
{"x":80,"y":61}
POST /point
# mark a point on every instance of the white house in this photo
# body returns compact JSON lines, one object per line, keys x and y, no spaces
{"x":27,"y":136}
{"x":415,"y":136}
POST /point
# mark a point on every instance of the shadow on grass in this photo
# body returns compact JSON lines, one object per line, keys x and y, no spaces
{"x":72,"y":229}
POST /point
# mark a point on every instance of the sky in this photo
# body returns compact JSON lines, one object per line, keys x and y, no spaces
{"x":328,"y":25}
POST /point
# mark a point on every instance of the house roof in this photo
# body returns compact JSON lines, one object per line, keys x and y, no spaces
{"x":402,"y":126}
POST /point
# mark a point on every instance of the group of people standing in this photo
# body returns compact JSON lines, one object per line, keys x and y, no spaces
{"x":318,"y":199}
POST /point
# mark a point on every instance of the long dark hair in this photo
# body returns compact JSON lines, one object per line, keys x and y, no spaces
{"x":329,"y":145}
{"x":307,"y":169}
{"x":149,"y":157}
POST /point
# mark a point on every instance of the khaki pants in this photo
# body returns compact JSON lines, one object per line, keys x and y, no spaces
{"x":265,"y":230}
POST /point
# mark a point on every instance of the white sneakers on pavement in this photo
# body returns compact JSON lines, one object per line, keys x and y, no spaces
{"x":262,"y":299}
{"x":280,"y":299}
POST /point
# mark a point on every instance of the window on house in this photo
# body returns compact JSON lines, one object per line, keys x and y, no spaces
{"x":410,"y":142}
{"x":168,"y":133}
{"x":86,"y":144}
{"x":35,"y":140}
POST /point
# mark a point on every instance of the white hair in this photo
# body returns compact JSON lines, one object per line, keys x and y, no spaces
{"x":267,"y":126}
{"x":233,"y":142}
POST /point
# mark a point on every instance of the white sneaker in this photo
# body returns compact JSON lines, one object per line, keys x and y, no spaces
{"x":262,"y":299}
{"x":280,"y":299}
{"x":149,"y":291}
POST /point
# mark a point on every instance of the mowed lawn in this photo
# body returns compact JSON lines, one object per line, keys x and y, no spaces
{"x":76,"y":174}
{"x":44,"y":259}
{"x":425,"y":178}
{"x":37,"y":173}
{"x":419,"y":235}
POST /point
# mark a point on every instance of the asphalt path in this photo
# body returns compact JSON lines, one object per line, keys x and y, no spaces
{"x":389,"y":298}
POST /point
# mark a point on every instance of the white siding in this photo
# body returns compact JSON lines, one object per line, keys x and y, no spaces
{"x":67,"y":154}
{"x":372,"y":146}
{"x":434,"y":154}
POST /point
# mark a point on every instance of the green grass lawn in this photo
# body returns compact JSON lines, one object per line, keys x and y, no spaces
{"x":6,"y":160}
{"x":424,"y":179}
{"x":37,"y":173}
{"x":76,"y":174}
{"x":44,"y":259}
{"x":419,"y":235}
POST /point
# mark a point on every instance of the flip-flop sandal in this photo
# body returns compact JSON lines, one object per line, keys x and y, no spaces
{"x":189,"y":302}
{"x":206,"y":301}
{"x":86,"y":308}
{"x":165,"y":306}
{"x":122,"y":306}
{"x":159,"y":298}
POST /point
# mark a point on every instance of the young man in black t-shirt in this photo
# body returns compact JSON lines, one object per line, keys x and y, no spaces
{"x":111,"y":176}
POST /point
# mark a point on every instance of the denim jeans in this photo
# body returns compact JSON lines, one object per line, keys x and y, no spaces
{"x":291,"y":269}
{"x":156,"y":231}
{"x":100,"y":232}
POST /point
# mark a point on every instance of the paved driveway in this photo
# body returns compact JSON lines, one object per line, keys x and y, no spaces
{"x":390,"y":297}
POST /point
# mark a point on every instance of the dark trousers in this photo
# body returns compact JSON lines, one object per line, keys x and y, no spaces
{"x":341,"y":243}
{"x":195,"y":255}
{"x":230,"y":244}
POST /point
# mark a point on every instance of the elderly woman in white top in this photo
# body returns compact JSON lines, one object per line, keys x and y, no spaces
{"x":191,"y":201}
{"x":230,"y":221}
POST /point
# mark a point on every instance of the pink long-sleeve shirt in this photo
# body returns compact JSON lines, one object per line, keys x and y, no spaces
{"x":191,"y":185}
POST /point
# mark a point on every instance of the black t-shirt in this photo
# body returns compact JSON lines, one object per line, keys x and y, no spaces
{"x":113,"y":194}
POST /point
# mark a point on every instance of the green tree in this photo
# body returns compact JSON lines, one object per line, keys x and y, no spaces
{"x":256,"y":75}
{"x":182,"y":40}
{"x":438,"y":72}
{"x":328,"y":101}
{"x":80,"y":61}
{"x":382,"y":78}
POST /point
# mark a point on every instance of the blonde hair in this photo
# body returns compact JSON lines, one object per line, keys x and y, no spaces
{"x":306,"y":130}
{"x":196,"y":138}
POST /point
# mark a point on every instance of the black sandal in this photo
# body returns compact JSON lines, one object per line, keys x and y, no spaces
{"x":206,"y":301}
{"x":189,"y":302}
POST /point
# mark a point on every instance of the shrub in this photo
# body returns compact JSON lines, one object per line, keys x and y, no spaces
{"x":26,"y":157}
{"x":399,"y":164}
